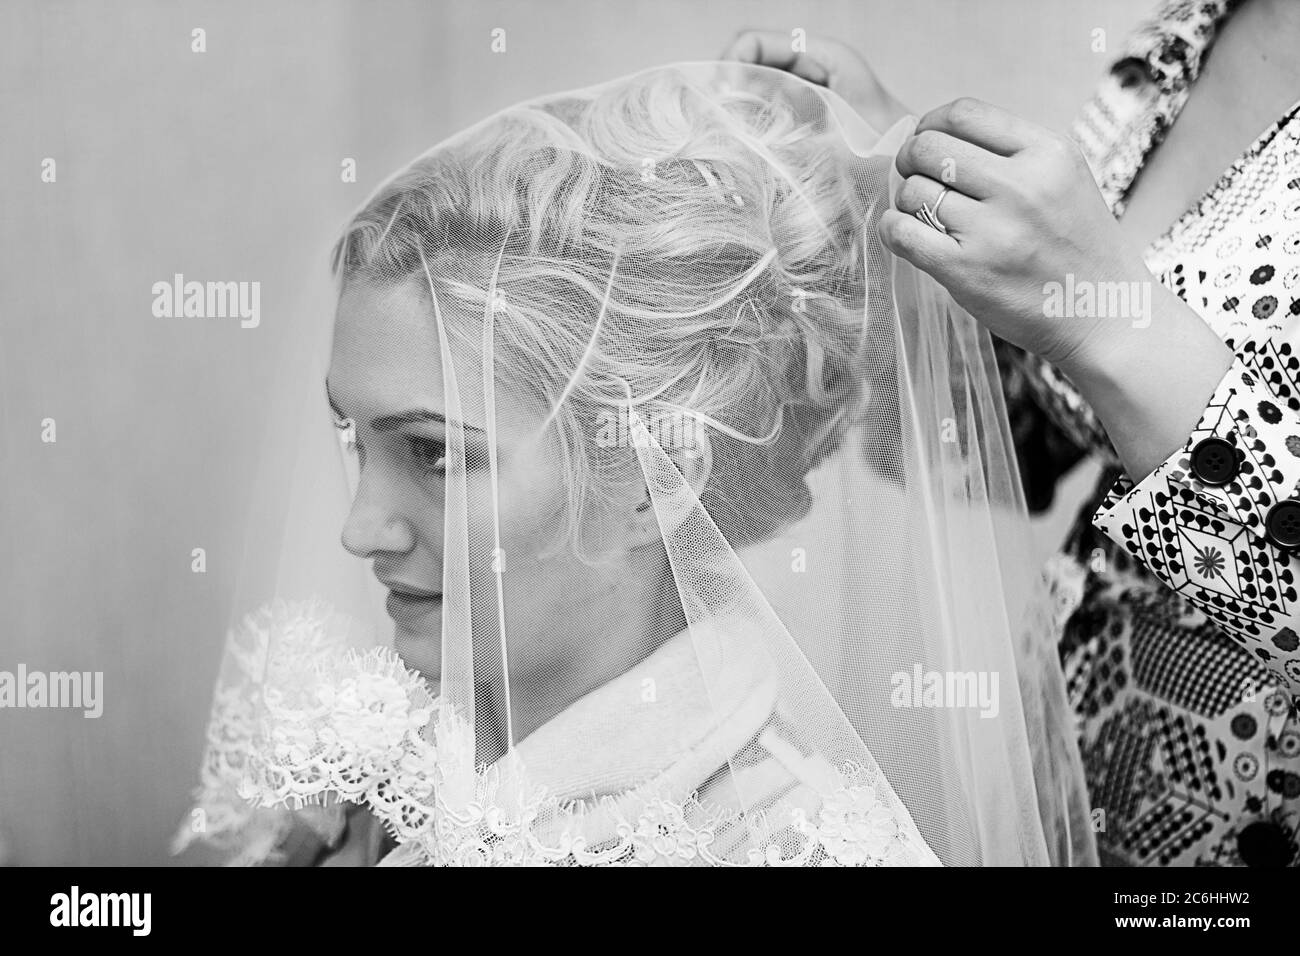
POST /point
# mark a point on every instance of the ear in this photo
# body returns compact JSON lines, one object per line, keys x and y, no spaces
{"x":659,"y":512}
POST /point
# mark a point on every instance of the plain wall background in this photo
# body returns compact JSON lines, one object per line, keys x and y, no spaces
{"x":225,"y":165}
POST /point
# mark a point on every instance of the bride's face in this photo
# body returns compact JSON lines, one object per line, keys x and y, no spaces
{"x":386,"y":376}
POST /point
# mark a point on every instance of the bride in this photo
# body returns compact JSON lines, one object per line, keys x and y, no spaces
{"x":669,"y":476}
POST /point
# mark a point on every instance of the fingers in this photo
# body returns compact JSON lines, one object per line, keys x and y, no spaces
{"x":983,"y":124}
{"x":951,"y":161}
{"x":772,"y":48}
{"x":956,"y":210}
{"x":926,"y":248}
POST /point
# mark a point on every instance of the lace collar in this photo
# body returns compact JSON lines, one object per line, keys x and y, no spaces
{"x":621,"y":776}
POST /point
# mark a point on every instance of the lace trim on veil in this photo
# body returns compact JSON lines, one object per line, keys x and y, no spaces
{"x":307,"y":725}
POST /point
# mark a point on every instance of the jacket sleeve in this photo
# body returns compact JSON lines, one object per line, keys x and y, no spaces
{"x":1219,"y":520}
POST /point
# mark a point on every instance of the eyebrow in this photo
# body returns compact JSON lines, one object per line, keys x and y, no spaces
{"x":414,"y":416}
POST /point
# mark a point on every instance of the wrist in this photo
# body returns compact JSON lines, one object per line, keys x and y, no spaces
{"x":1149,"y":381}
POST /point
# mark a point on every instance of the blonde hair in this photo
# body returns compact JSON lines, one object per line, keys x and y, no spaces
{"x":700,"y":251}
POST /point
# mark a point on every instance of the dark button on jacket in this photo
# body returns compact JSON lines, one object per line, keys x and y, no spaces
{"x":1214,"y":461}
{"x":1282,"y":524}
{"x":1264,"y":844}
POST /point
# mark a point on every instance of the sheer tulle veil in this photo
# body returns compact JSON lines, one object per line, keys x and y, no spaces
{"x":693,"y":517}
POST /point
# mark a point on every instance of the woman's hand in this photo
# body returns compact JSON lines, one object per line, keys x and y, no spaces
{"x":1033,"y":252}
{"x":829,"y":63}
{"x":1022,"y":212}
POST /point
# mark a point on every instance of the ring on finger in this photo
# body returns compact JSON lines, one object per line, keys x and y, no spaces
{"x":930,"y":214}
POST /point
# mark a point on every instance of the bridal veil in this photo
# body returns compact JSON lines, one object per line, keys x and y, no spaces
{"x":696,"y":510}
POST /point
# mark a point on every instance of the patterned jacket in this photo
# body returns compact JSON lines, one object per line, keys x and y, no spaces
{"x":1179,"y":620}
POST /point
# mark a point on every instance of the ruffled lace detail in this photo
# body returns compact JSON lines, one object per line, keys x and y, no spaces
{"x":267,"y":652}
{"x":302,"y":725}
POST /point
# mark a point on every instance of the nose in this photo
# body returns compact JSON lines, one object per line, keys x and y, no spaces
{"x":373,"y":526}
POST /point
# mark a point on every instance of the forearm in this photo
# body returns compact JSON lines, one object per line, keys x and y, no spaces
{"x":1149,"y":384}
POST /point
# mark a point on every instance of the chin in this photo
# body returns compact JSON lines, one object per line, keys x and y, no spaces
{"x":420,"y":652}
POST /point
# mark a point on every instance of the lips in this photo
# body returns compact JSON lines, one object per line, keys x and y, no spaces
{"x":410,"y":606}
